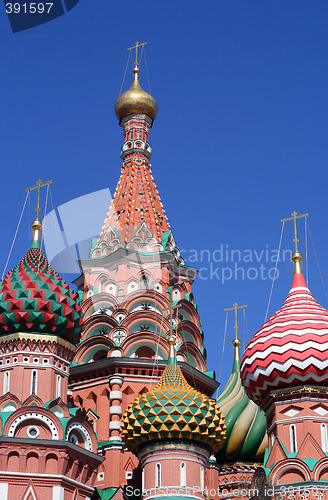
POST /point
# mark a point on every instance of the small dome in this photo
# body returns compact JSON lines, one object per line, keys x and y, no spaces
{"x":173,"y":410}
{"x":136,"y":100}
{"x":290,"y":348}
{"x":246,"y":437}
{"x":33,"y":298}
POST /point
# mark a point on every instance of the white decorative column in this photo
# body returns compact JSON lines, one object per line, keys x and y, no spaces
{"x":115,"y":410}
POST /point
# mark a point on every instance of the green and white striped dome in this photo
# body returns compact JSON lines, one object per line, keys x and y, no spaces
{"x":246,"y":436}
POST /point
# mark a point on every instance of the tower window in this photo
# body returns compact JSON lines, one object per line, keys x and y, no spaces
{"x":58,"y":386}
{"x":324,"y":440}
{"x":158,"y":476}
{"x":183,"y":483}
{"x":6,"y":382}
{"x":293,"y":441}
{"x":34,"y":382}
{"x":202,"y":479}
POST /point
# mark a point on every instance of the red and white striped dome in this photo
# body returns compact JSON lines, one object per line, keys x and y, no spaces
{"x":290,"y":349}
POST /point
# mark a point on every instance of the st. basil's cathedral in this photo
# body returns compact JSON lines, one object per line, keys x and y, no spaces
{"x":106,"y":392}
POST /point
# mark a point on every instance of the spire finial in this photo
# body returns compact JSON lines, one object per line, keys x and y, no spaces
{"x":172,"y":360}
{"x":236,"y":342}
{"x":37,"y":224}
{"x":136,"y":64}
{"x":297,"y":257}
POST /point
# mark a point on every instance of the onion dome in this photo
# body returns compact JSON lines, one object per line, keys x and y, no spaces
{"x":290,"y":348}
{"x":246,"y":437}
{"x":173,"y":410}
{"x":136,"y":100}
{"x":35,"y":299}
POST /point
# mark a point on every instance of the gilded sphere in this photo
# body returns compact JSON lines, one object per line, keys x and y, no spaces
{"x":136,"y":100}
{"x":36,"y":225}
{"x":236,"y":343}
{"x":297,"y":257}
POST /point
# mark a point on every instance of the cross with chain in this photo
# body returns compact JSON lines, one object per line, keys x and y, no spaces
{"x":171,"y":308}
{"x":136,"y":47}
{"x":38,"y":186}
{"x":235,"y":308}
{"x":294,"y":217}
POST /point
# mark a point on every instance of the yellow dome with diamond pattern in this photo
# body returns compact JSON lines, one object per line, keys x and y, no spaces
{"x":173,"y":410}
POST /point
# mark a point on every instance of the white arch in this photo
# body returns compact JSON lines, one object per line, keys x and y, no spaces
{"x":82,"y":431}
{"x":34,"y":416}
{"x":287,"y":466}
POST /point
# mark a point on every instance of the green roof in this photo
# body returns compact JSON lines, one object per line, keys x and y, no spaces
{"x":310,"y":462}
{"x":107,"y":493}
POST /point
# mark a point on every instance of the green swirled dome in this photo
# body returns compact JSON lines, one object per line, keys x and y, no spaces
{"x":246,"y":436}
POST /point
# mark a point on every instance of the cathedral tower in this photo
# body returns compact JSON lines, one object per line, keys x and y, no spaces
{"x":284,"y":370}
{"x":47,"y":448}
{"x":135,"y":287}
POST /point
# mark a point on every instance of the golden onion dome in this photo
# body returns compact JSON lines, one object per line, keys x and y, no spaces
{"x":136,"y":100}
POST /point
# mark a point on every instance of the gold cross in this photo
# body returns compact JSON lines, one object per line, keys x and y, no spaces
{"x":171,"y":308}
{"x":136,"y":47}
{"x":235,"y":308}
{"x":294,"y":217}
{"x":38,"y":186}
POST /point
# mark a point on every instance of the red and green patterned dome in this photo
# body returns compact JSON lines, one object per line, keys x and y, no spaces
{"x":35,"y":299}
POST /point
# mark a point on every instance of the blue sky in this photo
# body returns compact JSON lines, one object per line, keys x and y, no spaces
{"x":240,"y":140}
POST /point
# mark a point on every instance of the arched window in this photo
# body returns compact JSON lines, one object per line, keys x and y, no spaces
{"x":6,"y":382}
{"x":183,"y":483}
{"x":293,"y":441}
{"x":34,"y":382}
{"x":272,"y":439}
{"x":324,"y":440}
{"x":145,"y":352}
{"x":202,"y":479}
{"x":58,"y":386}
{"x":158,"y":476}
{"x":144,"y":282}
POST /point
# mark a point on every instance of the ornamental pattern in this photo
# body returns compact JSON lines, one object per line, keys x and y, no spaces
{"x":173,"y":410}
{"x":34,"y":298}
{"x":289,"y":349}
